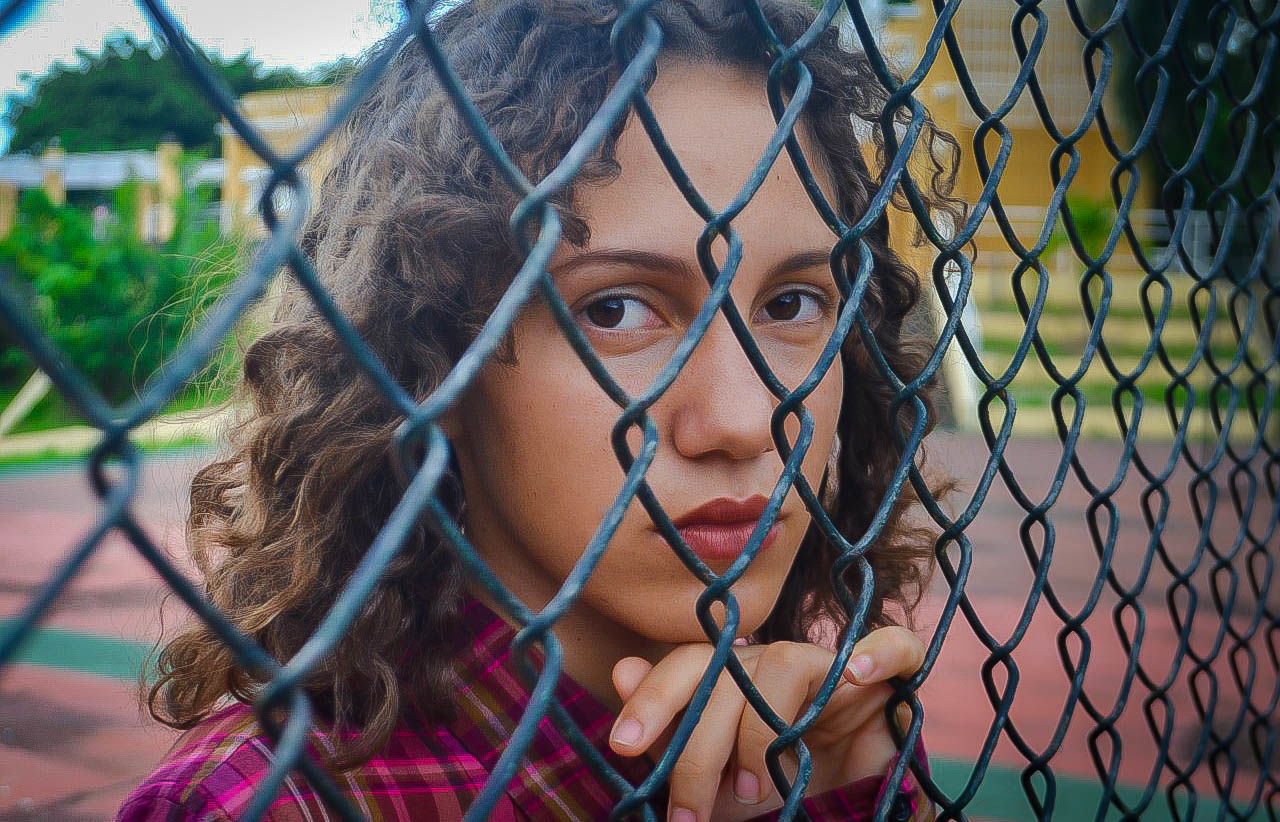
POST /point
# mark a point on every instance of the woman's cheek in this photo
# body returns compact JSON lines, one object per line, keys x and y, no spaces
{"x":572,"y":465}
{"x":825,"y":403}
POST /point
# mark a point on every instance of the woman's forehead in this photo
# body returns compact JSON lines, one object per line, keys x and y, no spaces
{"x":717,"y":121}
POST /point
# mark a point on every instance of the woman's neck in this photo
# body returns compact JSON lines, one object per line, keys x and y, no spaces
{"x":591,"y":644}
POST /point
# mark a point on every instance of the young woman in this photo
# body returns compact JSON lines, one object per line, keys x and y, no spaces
{"x":410,"y":234}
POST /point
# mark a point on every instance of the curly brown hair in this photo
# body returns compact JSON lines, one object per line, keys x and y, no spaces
{"x":410,"y":235}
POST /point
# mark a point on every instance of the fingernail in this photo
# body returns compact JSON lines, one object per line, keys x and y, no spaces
{"x":683,"y":815}
{"x":628,"y":732}
{"x":862,"y":667}
{"x":746,"y":787}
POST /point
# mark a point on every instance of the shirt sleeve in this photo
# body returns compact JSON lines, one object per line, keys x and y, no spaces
{"x":858,"y":800}
{"x":155,"y":806}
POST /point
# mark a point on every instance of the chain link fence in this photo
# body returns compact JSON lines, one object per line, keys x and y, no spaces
{"x":1177,"y":250}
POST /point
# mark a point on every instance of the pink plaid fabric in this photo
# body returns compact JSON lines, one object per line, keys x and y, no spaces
{"x":429,"y":772}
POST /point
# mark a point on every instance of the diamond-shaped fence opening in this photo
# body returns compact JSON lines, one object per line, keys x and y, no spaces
{"x":1087,"y":195}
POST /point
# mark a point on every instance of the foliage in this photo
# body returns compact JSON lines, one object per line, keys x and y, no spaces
{"x":1093,"y":219}
{"x":131,"y":95}
{"x":1211,"y":29}
{"x":116,"y":305}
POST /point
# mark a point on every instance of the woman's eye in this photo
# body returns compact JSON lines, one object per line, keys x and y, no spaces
{"x":619,"y":313}
{"x":793,"y":306}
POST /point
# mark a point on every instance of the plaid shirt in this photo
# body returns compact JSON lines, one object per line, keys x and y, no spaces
{"x":436,"y":772}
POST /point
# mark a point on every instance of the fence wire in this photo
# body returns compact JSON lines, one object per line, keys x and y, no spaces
{"x":1203,"y":94}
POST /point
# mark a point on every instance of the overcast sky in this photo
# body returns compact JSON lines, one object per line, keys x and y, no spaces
{"x":300,"y":33}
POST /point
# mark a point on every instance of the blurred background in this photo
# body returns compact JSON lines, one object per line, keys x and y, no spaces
{"x":127,"y":206}
{"x":124,"y":212}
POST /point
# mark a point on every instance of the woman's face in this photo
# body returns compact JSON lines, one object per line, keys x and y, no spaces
{"x":533,"y":439}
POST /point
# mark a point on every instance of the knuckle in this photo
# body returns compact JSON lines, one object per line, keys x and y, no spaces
{"x":753,"y":739}
{"x":649,"y":693}
{"x":650,"y":702}
{"x":877,"y":693}
{"x":692,"y":768}
{"x":694,"y":652}
{"x":918,"y":650}
{"x":783,"y":656}
{"x":905,"y":636}
{"x":909,"y":648}
{"x":896,"y":644}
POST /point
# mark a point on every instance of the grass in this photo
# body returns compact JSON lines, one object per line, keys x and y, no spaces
{"x":54,"y":412}
{"x":1055,"y":309}
{"x":1178,"y":352}
{"x":1178,"y":311}
{"x":1153,"y":396}
{"x":54,"y":458}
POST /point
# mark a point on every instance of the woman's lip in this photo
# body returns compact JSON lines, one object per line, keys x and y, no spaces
{"x":724,"y":541}
{"x":724,"y":511}
{"x":720,"y":529}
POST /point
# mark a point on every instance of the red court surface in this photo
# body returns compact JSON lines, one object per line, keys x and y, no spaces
{"x":73,"y":741}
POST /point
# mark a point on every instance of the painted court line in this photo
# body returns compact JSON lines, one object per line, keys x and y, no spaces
{"x":81,"y":652}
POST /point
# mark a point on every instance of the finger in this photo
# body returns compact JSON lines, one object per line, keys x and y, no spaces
{"x":885,"y":652}
{"x":902,"y":718}
{"x":699,"y":770}
{"x":628,"y":673}
{"x":783,"y":675}
{"x":663,"y":692}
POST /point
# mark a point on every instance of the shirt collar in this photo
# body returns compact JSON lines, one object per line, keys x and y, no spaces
{"x":553,"y":781}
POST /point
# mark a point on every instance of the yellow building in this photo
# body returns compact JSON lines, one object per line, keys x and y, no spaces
{"x":89,"y":180}
{"x":982,"y":30}
{"x":284,"y":117}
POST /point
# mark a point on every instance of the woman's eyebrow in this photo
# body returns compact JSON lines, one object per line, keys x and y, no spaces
{"x":801,"y":260}
{"x":658,"y":262}
{"x":654,"y":261}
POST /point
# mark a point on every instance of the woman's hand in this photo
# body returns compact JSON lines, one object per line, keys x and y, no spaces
{"x":721,"y":774}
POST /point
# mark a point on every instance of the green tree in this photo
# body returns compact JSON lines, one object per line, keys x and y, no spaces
{"x":116,"y":306}
{"x":131,"y":94}
{"x":1230,"y":31}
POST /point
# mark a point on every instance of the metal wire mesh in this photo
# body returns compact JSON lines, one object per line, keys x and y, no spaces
{"x":1228,"y":467}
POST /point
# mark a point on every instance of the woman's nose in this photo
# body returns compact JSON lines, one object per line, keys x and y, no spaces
{"x":719,"y":405}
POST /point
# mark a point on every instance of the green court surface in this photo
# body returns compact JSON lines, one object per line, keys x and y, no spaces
{"x":999,"y":797}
